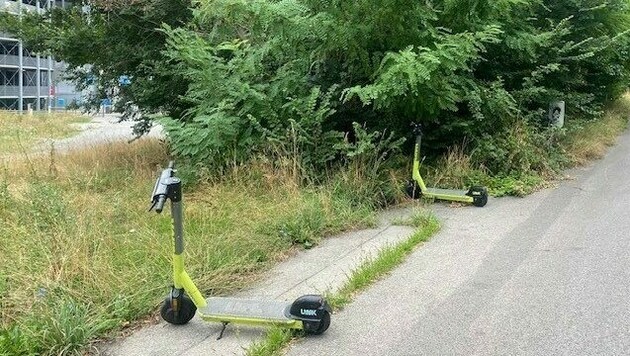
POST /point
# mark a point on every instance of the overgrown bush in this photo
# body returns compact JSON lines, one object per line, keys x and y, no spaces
{"x":238,"y":78}
{"x":304,"y":71}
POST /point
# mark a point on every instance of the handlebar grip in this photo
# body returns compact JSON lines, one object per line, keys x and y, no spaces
{"x":416,"y":128}
{"x":159,"y":206}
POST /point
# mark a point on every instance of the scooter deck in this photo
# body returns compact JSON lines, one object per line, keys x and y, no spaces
{"x":234,"y":308}
{"x":449,"y":194}
{"x":439,"y":191}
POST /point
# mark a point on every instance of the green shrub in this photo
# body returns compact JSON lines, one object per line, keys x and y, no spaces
{"x":241,"y":78}
{"x":520,"y":149}
{"x":302,"y":72}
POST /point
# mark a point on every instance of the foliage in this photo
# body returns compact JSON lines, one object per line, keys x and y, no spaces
{"x":69,"y":325}
{"x":291,"y":77}
{"x":519,"y":149}
{"x":473,"y":71}
{"x":275,"y":340}
{"x":107,"y":40}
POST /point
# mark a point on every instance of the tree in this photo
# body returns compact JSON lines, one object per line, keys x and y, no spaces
{"x":238,"y":75}
{"x":107,"y":40}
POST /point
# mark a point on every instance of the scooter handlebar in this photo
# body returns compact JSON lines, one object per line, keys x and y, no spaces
{"x":160,"y":190}
{"x":159,"y":205}
{"x":416,"y":128}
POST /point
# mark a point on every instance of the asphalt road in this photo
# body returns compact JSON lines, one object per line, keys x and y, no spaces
{"x":545,"y":275}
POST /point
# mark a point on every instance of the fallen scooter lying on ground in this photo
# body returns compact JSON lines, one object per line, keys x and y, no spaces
{"x":310,"y":313}
{"x":478,"y":196}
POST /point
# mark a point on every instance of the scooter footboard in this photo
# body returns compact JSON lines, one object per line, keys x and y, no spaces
{"x":238,"y":308}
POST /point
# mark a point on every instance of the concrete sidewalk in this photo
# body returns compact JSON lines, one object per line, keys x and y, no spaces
{"x":318,"y":270}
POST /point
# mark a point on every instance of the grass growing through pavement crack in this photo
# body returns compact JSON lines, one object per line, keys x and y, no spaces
{"x":366,"y":274}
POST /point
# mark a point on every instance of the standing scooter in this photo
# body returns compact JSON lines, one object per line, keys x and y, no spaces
{"x":310,"y":313}
{"x":478,"y":196}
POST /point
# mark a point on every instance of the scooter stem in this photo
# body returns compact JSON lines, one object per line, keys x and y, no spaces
{"x":181,"y":280}
{"x":416,"y":164}
{"x":169,"y":187}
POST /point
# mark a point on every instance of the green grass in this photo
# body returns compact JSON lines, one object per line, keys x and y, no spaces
{"x":18,"y":132}
{"x":274,"y":342}
{"x":418,"y":218}
{"x":83,"y":257}
{"x":365,"y":275}
{"x":387,"y":259}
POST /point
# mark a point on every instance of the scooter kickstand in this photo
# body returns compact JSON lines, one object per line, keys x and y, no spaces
{"x":225,"y":323}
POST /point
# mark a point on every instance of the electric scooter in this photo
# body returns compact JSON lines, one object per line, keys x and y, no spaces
{"x":478,"y":196}
{"x":310,"y":313}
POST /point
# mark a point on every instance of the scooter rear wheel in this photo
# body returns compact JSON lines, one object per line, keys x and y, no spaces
{"x":481,"y":198}
{"x":178,"y":311}
{"x":322,"y":327}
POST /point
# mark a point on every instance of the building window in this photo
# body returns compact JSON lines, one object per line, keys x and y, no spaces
{"x":9,"y":77}
{"x":9,"y":48}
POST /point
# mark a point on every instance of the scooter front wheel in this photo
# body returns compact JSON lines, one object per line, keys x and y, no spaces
{"x":413,"y":190}
{"x":178,"y":310}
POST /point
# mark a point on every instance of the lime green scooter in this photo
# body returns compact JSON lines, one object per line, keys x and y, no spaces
{"x":310,"y":313}
{"x":478,"y":196}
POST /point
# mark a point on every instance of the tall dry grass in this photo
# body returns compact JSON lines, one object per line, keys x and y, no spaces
{"x":452,"y":170}
{"x":86,"y":257}
{"x":592,"y":140}
{"x":21,"y":132}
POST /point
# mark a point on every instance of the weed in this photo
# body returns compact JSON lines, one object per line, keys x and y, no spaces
{"x":14,"y":341}
{"x":47,"y":206}
{"x":5,"y":196}
{"x":305,"y":226}
{"x":87,"y":244}
{"x":418,"y":218}
{"x":275,"y":340}
{"x":366,"y":274}
{"x":523,"y":160}
{"x":518,"y":186}
{"x":453,"y":169}
{"x":590,"y":140}
{"x":387,"y":259}
{"x":59,"y":325}
{"x":70,"y":325}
